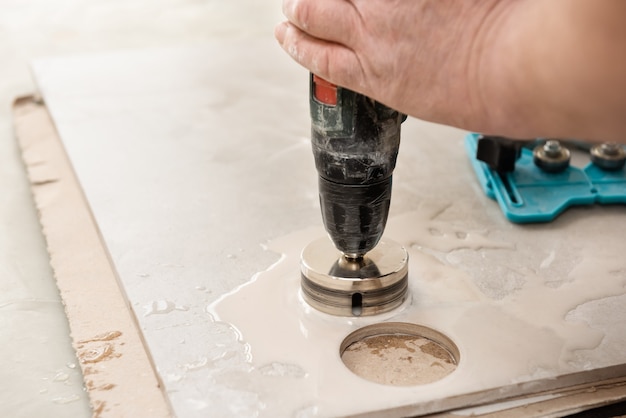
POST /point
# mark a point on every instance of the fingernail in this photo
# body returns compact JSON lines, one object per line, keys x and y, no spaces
{"x":279,"y":31}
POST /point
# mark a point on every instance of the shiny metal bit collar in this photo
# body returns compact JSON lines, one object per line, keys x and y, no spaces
{"x":368,"y":285}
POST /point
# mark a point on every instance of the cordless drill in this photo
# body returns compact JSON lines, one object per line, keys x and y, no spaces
{"x":355,"y":144}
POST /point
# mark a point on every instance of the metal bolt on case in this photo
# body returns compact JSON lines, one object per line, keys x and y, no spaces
{"x":551,"y":157}
{"x":608,"y":156}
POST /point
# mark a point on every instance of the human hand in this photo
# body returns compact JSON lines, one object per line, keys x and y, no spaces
{"x":517,"y":68}
{"x":426,"y":58}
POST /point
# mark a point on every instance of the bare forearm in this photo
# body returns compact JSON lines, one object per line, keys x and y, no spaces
{"x":520,"y":68}
{"x":560,"y":71}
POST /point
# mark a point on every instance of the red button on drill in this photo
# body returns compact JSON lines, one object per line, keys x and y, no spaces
{"x":324,"y":91}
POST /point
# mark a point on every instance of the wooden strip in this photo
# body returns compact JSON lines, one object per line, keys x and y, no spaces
{"x":117,"y":369}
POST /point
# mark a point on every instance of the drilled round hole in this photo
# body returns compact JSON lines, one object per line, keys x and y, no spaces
{"x":399,"y":354}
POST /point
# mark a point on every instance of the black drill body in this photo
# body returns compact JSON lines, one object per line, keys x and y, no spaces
{"x":355,"y":144}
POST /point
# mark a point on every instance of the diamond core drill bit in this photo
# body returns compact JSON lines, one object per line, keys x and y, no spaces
{"x":355,"y":145}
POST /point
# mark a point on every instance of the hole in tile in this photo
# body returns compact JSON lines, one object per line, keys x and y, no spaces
{"x":399,"y":354}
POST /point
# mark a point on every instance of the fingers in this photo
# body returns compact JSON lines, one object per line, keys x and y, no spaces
{"x":331,"y":61}
{"x":331,"y":20}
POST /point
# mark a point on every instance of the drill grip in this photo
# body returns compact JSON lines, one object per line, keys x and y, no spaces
{"x":355,"y":144}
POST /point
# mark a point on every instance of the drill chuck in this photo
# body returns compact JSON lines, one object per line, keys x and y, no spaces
{"x":355,"y":145}
{"x":355,"y":214}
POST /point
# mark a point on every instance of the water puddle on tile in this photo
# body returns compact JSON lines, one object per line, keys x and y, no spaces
{"x":296,"y":367}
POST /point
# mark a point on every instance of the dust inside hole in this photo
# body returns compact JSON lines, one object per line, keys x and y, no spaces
{"x":399,"y":354}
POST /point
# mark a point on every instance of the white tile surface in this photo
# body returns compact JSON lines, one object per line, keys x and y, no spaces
{"x":192,"y":158}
